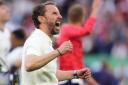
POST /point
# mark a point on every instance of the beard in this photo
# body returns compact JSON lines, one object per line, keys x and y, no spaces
{"x":54,"y":27}
{"x":54,"y":30}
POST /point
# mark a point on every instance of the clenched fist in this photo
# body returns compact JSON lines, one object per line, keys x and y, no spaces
{"x":84,"y":73}
{"x":65,"y":47}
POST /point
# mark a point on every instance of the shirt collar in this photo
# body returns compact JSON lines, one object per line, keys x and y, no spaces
{"x":44,"y":34}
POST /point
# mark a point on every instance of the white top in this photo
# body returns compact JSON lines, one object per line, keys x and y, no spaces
{"x":4,"y":42}
{"x":38,"y":44}
{"x":4,"y":46}
{"x":14,"y":55}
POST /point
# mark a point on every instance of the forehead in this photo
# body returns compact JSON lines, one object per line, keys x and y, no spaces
{"x":51,"y":8}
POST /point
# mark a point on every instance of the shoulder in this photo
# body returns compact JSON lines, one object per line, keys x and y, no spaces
{"x":36,"y":40}
{"x":68,"y":27}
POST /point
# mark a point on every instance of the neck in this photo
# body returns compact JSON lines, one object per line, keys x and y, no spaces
{"x":2,"y":26}
{"x":45,"y":29}
{"x":79,"y":23}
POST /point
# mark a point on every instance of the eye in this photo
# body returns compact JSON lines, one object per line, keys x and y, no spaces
{"x":55,"y":13}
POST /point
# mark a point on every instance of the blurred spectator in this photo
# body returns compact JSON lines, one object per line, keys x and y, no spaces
{"x":64,"y":7}
{"x":4,"y":42}
{"x":105,"y":76}
{"x":121,"y":72}
{"x":20,"y":12}
{"x":18,"y":38}
{"x":120,"y":50}
{"x":14,"y":57}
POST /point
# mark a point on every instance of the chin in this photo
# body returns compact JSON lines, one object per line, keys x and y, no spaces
{"x":55,"y":33}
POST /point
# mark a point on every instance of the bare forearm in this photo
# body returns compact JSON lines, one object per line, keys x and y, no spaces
{"x":94,"y":14}
{"x":35,"y":62}
{"x":64,"y":75}
{"x":95,"y":8}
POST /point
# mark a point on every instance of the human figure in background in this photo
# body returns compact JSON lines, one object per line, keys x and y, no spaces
{"x":105,"y":76}
{"x":13,"y":58}
{"x":4,"y":41}
{"x":18,"y":38}
{"x":74,"y":31}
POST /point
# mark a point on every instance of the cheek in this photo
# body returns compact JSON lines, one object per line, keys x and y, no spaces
{"x":52,"y":19}
{"x":4,"y":14}
{"x":7,"y":13}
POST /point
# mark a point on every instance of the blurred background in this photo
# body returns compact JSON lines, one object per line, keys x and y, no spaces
{"x":106,"y":47}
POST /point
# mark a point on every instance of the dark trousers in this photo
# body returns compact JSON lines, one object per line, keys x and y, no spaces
{"x":70,"y":83}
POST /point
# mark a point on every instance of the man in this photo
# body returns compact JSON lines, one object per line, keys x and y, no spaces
{"x":74,"y":31}
{"x":4,"y":33}
{"x":13,"y":58}
{"x":4,"y":41}
{"x":39,"y":58}
{"x":18,"y":38}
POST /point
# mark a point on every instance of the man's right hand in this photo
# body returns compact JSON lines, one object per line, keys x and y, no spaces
{"x":65,"y":47}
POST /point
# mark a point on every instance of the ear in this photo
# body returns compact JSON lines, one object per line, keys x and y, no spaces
{"x":41,"y":19}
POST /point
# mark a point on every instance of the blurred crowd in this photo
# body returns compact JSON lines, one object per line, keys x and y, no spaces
{"x":109,"y":35}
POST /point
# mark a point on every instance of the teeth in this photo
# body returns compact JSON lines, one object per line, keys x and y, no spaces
{"x":58,"y":22}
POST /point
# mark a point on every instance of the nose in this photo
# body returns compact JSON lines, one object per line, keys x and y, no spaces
{"x":60,"y":17}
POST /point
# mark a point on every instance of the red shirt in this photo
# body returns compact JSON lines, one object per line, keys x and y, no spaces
{"x":74,"y":59}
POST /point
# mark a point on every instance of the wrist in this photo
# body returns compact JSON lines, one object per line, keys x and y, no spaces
{"x":75,"y":75}
{"x":59,"y":52}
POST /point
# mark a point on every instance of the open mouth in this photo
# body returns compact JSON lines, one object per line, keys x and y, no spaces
{"x":57,"y":24}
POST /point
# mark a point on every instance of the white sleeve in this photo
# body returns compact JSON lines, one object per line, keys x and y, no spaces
{"x":33,"y":50}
